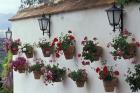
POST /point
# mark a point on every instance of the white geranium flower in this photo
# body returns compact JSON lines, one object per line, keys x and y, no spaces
{"x":19,"y":47}
{"x":24,"y":49}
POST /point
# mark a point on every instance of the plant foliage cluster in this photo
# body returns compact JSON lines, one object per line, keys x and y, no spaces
{"x":133,"y":78}
{"x":79,"y":75}
{"x":124,"y":2}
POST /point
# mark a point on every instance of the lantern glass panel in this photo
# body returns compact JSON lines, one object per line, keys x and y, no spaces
{"x":40,"y":24}
{"x":117,"y":17}
{"x":8,"y":34}
{"x":114,"y":15}
{"x":43,"y":23}
{"x":110,"y":17}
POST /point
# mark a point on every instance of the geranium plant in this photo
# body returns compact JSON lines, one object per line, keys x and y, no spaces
{"x":66,"y":44}
{"x":20,"y":64}
{"x":54,"y":74}
{"x":133,"y":78}
{"x":123,"y":2}
{"x":123,"y":47}
{"x":46,"y":47}
{"x":28,"y":50}
{"x":79,"y":76}
{"x":109,"y":77}
{"x":37,"y":68}
{"x":91,"y":50}
{"x":12,"y":45}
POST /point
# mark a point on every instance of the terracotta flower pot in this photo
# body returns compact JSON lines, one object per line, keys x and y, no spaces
{"x":46,"y":52}
{"x":98,"y":53}
{"x":21,"y":70}
{"x":29,"y":55}
{"x":57,"y":80}
{"x":37,"y":74}
{"x":80,"y":83}
{"x":131,"y":51}
{"x":69,"y":52}
{"x":14,"y":51}
{"x":110,"y":85}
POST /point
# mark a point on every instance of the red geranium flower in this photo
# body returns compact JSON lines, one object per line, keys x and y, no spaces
{"x":120,"y":53}
{"x":138,"y":44}
{"x":105,"y":70}
{"x":83,"y":42}
{"x":58,"y":49}
{"x":14,"y":49}
{"x":116,"y":72}
{"x":83,"y":63}
{"x":71,"y":37}
{"x":57,"y":55}
{"x":87,"y":63}
{"x":100,"y":78}
{"x":79,"y":55}
{"x":98,"y":70}
{"x":85,"y":38}
{"x":125,"y":32}
{"x":55,"y":40}
{"x":59,"y":44}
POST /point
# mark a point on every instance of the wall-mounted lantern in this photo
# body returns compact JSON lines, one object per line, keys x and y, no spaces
{"x":8,"y":34}
{"x":115,"y":17}
{"x":44,"y":24}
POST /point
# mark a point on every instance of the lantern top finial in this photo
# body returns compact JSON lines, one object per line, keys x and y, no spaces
{"x":114,"y":8}
{"x":8,"y":29}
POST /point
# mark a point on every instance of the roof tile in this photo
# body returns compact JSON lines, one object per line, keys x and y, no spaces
{"x":65,"y":6}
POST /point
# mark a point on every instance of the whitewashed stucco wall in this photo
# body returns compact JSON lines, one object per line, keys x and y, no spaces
{"x":90,"y":23}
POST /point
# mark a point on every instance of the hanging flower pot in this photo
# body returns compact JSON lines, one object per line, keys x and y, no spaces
{"x":37,"y":68}
{"x":91,"y":50}
{"x":46,"y":52}
{"x":11,"y":45}
{"x":69,"y":52}
{"x":110,"y":85}
{"x":109,"y":77}
{"x":28,"y":50}
{"x":37,"y":74}
{"x":130,"y":51}
{"x":14,"y":51}
{"x":80,"y":83}
{"x":21,"y":70}
{"x":20,"y":64}
{"x":79,"y":76}
{"x":58,"y":74}
{"x":96,"y":55}
{"x":66,"y":44}
{"x":56,"y":79}
{"x":122,"y":47}
{"x":29,"y":55}
{"x":46,"y":47}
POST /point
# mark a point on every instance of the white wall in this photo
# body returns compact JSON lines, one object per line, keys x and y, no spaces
{"x":90,"y":23}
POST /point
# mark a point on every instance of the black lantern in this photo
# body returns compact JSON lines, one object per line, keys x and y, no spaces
{"x":44,"y":24}
{"x":115,"y":15}
{"x":8,"y":34}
